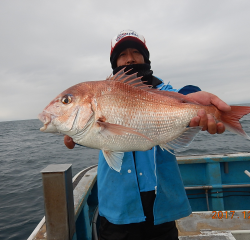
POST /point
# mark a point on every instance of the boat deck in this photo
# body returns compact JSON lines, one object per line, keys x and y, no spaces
{"x":216,"y":214}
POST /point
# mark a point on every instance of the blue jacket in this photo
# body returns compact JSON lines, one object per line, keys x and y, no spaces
{"x":155,"y":169}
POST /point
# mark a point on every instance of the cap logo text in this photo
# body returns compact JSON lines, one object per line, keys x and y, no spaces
{"x":122,"y":35}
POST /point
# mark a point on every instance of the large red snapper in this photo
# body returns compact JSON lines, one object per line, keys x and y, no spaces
{"x":121,"y":114}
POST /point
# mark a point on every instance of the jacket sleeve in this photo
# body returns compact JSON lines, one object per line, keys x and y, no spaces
{"x":184,"y":90}
{"x":188,"y":89}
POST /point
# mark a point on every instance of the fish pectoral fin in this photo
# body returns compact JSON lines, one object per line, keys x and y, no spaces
{"x":183,"y":140}
{"x":113,"y":159}
{"x":110,"y":129}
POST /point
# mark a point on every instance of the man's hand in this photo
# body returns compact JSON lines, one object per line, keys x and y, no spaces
{"x":206,"y":121}
{"x":68,"y":141}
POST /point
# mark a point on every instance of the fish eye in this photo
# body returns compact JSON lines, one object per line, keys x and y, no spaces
{"x":66,"y":99}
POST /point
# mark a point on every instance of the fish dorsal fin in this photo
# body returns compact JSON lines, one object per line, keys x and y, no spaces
{"x":135,"y":81}
{"x":113,"y":159}
{"x":183,"y":140}
{"x":132,"y":79}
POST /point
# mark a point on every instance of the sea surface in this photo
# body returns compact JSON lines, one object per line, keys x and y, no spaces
{"x":25,"y":151}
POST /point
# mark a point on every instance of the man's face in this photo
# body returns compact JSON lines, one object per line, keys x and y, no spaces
{"x":130,"y":56}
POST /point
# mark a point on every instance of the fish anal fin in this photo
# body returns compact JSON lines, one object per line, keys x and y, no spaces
{"x":113,"y":159}
{"x":165,"y":147}
{"x":183,"y":140}
{"x":109,"y":129}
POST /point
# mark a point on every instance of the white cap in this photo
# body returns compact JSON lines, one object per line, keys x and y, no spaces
{"x":127,"y":35}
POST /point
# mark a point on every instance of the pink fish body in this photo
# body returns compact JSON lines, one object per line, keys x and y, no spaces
{"x":121,"y":114}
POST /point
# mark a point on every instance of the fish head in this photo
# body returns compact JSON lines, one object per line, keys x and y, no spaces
{"x":69,"y":112}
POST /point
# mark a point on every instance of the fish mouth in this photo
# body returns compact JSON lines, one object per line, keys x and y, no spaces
{"x":46,"y":119}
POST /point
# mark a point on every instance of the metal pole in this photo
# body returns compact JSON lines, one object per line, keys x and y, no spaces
{"x":219,"y":186}
{"x":247,"y":173}
{"x":206,"y":191}
{"x":226,"y":167}
{"x":58,"y":202}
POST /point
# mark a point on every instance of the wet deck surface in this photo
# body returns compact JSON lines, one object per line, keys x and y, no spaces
{"x":210,"y":235}
{"x":207,"y":225}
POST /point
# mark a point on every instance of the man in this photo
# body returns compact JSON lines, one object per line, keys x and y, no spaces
{"x":147,"y":196}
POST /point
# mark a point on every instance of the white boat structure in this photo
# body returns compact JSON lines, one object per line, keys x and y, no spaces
{"x":218,"y":188}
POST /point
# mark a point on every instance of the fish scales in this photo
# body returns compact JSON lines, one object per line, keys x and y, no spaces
{"x":135,"y":108}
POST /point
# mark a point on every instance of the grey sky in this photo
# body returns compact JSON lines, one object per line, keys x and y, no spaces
{"x":48,"y":46}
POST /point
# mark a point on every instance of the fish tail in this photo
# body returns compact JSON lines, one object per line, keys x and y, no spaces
{"x":231,"y":119}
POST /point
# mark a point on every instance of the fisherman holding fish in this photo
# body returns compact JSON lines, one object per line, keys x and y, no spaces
{"x":137,"y":126}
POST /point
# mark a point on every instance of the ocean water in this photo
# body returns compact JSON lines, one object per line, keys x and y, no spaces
{"x":25,"y":151}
